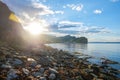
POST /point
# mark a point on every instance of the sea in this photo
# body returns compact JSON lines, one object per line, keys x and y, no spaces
{"x":108,"y":50}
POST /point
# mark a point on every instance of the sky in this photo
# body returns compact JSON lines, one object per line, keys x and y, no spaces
{"x":98,"y":20}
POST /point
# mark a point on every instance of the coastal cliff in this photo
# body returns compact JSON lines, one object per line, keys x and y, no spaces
{"x":63,"y":39}
{"x":10,"y":28}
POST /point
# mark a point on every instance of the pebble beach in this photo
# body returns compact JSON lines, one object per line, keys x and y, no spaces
{"x":46,"y":63}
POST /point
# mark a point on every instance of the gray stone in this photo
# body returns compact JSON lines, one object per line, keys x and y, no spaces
{"x":38,"y":66}
{"x":37,"y":74}
{"x":52,"y":76}
{"x":6,"y":66}
{"x":26,"y":71}
{"x":42,"y":70}
{"x":53,"y":70}
{"x":43,"y":78}
{"x":17,"y":61}
{"x":12,"y":74}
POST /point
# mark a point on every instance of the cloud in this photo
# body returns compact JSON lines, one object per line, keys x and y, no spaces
{"x":77,"y":7}
{"x":97,"y":11}
{"x":30,"y":10}
{"x":59,"y":12}
{"x":114,"y":0}
{"x":76,"y":28}
{"x":42,"y":9}
{"x":69,"y":23}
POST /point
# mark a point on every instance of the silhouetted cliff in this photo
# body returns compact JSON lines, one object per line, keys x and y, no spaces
{"x":10,"y":28}
{"x":64,"y":39}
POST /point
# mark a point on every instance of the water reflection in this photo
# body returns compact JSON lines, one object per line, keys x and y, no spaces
{"x":109,"y":51}
{"x":72,"y":47}
{"x":75,"y":47}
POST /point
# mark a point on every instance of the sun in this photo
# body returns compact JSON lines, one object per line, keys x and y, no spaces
{"x":35,"y":28}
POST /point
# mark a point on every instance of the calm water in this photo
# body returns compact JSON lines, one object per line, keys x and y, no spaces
{"x":98,"y":50}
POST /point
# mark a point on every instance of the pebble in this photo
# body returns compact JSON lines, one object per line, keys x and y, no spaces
{"x":37,"y":74}
{"x":6,"y":66}
{"x":26,"y":71}
{"x":42,"y":70}
{"x":30,"y":59}
{"x":17,"y":62}
{"x":60,"y":66}
{"x":43,"y":78}
{"x":53,"y":70}
{"x":12,"y":74}
{"x":52,"y":76}
{"x":38,"y":66}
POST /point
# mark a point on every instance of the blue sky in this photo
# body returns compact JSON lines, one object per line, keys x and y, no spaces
{"x":98,"y":20}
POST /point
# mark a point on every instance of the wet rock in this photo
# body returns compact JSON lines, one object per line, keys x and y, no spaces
{"x":43,"y":78}
{"x":79,"y":77}
{"x":97,"y":79}
{"x":37,"y":74}
{"x":17,"y":53}
{"x":32,"y":62}
{"x":88,"y":70}
{"x":30,"y":59}
{"x":25,"y":71}
{"x":95,"y":76}
{"x":30,"y":78}
{"x":38,"y":66}
{"x":24,"y":58}
{"x":12,"y":74}
{"x":52,"y":76}
{"x":8,"y":66}
{"x":107,"y":61}
{"x":53,"y":70}
{"x":17,"y":61}
{"x":41,"y":70}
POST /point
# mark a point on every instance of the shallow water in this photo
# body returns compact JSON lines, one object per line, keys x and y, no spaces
{"x":107,"y":50}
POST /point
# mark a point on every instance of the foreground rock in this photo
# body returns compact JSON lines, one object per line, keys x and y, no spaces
{"x":46,"y":63}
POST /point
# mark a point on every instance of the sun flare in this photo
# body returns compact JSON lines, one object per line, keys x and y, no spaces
{"x":35,"y":28}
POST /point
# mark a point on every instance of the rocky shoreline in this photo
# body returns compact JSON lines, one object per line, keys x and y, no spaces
{"x":45,"y":63}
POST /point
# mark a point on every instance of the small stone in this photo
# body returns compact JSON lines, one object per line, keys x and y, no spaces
{"x":6,"y":66}
{"x":12,"y":74}
{"x":37,"y":74}
{"x":38,"y":66}
{"x":46,"y":72}
{"x":30,"y":59}
{"x":43,"y":78}
{"x":17,"y":53}
{"x":33,"y":64}
{"x":88,"y":70}
{"x":17,"y":61}
{"x":30,"y":78}
{"x":26,"y":71}
{"x":42,"y":70}
{"x":95,"y":76}
{"x":79,"y":78}
{"x":53,"y":70}
{"x":52,"y":76}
